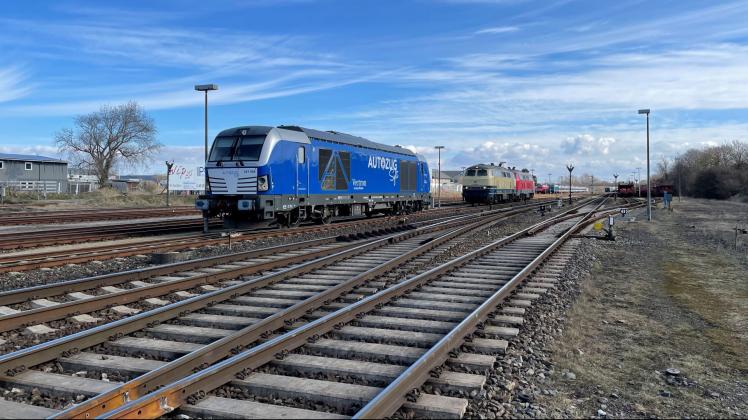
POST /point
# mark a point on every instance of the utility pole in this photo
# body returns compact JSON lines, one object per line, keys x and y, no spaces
{"x":649,"y":186}
{"x":570,"y":167}
{"x":206,"y":89}
{"x":439,"y":180}
{"x":592,"y":184}
{"x":638,"y":182}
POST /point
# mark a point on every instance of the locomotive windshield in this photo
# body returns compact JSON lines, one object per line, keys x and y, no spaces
{"x":237,"y":148}
{"x":249,"y":147}
{"x":470,"y":172}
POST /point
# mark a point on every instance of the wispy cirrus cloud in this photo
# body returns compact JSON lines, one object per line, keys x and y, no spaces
{"x":497,"y":30}
{"x":14,"y":84}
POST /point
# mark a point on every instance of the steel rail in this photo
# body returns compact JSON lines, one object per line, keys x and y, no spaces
{"x":392,"y":397}
{"x":18,"y":361}
{"x":41,"y":260}
{"x":60,"y":288}
{"x":42,"y":291}
{"x":16,"y":240}
{"x":64,"y":310}
{"x":173,"y":395}
{"x":26,"y":218}
{"x":57,"y":258}
{"x":229,"y":345}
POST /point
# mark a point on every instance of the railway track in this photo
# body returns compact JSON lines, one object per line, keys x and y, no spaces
{"x":47,"y":237}
{"x":31,"y":261}
{"x":435,"y":331}
{"x":275,"y":301}
{"x":88,"y":215}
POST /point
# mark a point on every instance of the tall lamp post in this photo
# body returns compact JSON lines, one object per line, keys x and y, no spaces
{"x":569,"y":167}
{"x":649,"y":187}
{"x":615,"y":182}
{"x":206,"y":89}
{"x":439,"y":175}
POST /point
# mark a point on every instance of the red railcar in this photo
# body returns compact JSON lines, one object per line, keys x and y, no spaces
{"x":525,"y":185}
{"x":626,"y":190}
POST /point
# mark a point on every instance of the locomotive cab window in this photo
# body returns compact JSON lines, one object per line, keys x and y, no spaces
{"x":300,"y":155}
{"x":1,"y":164}
{"x":249,"y":147}
{"x":482,"y":172}
{"x":29,"y":166}
{"x":223,"y":148}
{"x":470,"y":172}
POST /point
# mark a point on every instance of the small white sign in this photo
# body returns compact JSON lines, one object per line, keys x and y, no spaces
{"x":186,"y":178}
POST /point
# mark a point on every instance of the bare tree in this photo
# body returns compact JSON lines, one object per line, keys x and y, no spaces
{"x":121,"y":133}
{"x":663,"y":167}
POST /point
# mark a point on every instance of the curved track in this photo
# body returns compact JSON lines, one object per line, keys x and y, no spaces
{"x":323,"y":279}
{"x":33,"y":260}
{"x":366,"y":358}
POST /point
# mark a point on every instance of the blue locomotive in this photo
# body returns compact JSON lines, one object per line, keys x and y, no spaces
{"x":289,"y":174}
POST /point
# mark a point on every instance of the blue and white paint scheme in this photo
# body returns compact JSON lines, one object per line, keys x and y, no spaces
{"x":289,"y":174}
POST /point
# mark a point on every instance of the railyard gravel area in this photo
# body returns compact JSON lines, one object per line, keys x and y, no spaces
{"x":16,"y":280}
{"x":654,"y":324}
{"x":461,"y":246}
{"x":15,"y":340}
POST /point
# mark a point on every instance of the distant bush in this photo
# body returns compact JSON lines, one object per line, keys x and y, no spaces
{"x":718,"y":172}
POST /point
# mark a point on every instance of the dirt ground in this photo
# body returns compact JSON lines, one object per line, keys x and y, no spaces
{"x":668,"y":295}
{"x":104,"y":198}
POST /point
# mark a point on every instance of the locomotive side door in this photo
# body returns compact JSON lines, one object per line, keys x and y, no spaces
{"x":302,"y":172}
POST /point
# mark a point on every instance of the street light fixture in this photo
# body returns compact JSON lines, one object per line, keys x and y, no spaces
{"x":439,"y":175}
{"x":649,"y":187}
{"x":570,"y":167}
{"x":615,"y":182}
{"x":206,"y":89}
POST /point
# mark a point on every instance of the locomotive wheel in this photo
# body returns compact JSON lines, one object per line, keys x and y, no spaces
{"x":293,"y":218}
{"x":326,"y":217}
{"x":288,"y":220}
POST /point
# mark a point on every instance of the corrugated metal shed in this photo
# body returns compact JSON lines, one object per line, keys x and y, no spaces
{"x":29,"y":158}
{"x":348,"y":139}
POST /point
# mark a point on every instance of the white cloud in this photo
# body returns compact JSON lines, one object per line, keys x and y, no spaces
{"x":24,"y":149}
{"x":497,"y":30}
{"x":14,"y":84}
{"x":587,"y":144}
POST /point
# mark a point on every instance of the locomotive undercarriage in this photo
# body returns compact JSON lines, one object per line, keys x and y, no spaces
{"x":290,"y":211}
{"x":489,"y":196}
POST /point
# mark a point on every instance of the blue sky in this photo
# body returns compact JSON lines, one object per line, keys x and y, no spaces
{"x":534,"y":83}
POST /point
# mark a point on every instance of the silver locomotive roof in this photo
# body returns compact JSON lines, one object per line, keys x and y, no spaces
{"x":302,"y":135}
{"x":343,"y":138}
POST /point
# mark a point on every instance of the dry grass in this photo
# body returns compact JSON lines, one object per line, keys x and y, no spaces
{"x":102,"y":198}
{"x":662,"y":301}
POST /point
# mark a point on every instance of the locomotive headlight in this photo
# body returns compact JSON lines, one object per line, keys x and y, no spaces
{"x":263,"y":183}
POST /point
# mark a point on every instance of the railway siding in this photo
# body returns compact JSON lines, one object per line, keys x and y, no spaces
{"x":216,"y":312}
{"x":333,"y":326}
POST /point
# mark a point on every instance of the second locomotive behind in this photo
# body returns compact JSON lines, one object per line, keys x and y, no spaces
{"x":494,"y":184}
{"x":290,"y":174}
